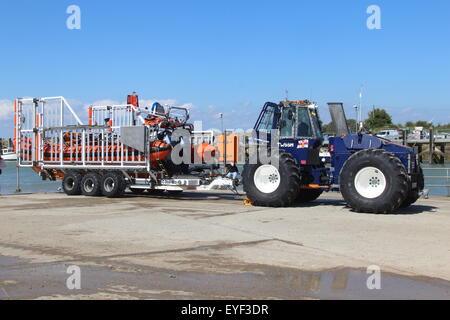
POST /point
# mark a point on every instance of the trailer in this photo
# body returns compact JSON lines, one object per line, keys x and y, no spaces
{"x":120,"y":147}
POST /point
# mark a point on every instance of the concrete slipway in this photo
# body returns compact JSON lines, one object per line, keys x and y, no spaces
{"x":210,"y":246}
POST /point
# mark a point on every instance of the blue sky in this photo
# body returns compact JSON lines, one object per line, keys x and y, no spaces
{"x":229,"y":56}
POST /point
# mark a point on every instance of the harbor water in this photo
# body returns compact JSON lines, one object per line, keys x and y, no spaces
{"x":30,"y":182}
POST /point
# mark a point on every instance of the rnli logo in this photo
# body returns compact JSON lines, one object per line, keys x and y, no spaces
{"x":303,"y":144}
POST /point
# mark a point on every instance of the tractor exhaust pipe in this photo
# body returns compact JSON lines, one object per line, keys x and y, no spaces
{"x":338,"y":118}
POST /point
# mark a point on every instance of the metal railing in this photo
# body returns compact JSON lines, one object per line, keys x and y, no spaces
{"x":445,"y":178}
{"x":87,"y":147}
{"x":49,"y":134}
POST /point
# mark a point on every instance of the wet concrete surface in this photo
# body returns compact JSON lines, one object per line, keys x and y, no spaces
{"x":210,"y":246}
{"x":48,"y":281}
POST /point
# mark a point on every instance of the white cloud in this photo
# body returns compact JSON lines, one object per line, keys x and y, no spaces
{"x":104,"y":102}
{"x":6,"y":109}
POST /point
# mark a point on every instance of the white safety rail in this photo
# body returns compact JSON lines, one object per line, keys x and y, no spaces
{"x":88,"y":147}
{"x":31,"y":115}
{"x":116,"y":116}
{"x":50,"y":135}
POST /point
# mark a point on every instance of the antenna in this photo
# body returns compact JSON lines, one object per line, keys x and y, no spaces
{"x":360,"y":104}
{"x":287,"y":94}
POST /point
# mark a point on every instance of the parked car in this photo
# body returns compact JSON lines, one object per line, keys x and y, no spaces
{"x":442,"y":135}
{"x":392,"y":135}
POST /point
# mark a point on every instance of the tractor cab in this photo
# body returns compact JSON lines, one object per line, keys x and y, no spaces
{"x":298,"y":126}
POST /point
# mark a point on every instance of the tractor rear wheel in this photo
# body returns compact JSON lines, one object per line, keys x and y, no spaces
{"x":269,"y":186}
{"x":91,"y":185}
{"x":374,"y":181}
{"x":72,"y":183}
{"x":305,"y":196}
{"x":113,"y":185}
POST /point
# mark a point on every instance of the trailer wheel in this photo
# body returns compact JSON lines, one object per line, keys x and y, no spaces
{"x":91,"y":185}
{"x":268,"y":186}
{"x":374,"y":181}
{"x":113,"y":185}
{"x":72,"y":183}
{"x":305,"y":196}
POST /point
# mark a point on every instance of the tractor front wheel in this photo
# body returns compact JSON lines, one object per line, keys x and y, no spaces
{"x":374,"y":181}
{"x":271,"y":186}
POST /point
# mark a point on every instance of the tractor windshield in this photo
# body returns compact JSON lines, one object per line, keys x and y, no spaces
{"x":308,"y":125}
{"x":266,"y":119}
{"x":303,"y":123}
{"x":287,"y":121}
{"x":316,"y":123}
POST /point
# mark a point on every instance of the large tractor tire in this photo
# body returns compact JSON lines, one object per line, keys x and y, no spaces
{"x":113,"y":185}
{"x":414,"y":195}
{"x":374,"y":181}
{"x":268,"y":186}
{"x":91,"y":185}
{"x":72,"y":183}
{"x":305,"y":196}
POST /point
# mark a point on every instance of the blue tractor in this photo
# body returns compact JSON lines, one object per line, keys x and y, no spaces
{"x":373,"y":175}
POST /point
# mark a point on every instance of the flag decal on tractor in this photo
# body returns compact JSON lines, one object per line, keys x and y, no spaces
{"x":303,"y":144}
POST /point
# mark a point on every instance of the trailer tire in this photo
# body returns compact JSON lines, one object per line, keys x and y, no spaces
{"x":72,"y":183}
{"x":374,"y":181}
{"x":91,"y":185}
{"x":113,"y":185}
{"x":305,"y":196}
{"x":267,"y":186}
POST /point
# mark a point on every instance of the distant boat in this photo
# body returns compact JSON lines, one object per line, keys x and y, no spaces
{"x":2,"y":164}
{"x":9,"y":155}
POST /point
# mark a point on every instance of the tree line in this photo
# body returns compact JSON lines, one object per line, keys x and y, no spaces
{"x":380,"y":119}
